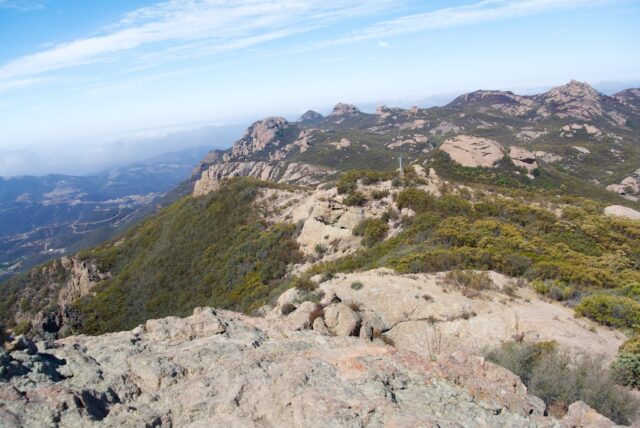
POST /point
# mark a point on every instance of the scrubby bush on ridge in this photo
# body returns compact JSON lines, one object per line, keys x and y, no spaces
{"x":560,"y":379}
{"x":615,"y":311}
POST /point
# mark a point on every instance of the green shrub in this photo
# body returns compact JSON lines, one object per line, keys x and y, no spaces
{"x":356,"y":285}
{"x":349,"y":181}
{"x":22,"y":328}
{"x":303,"y":283}
{"x":379,"y":194}
{"x":616,"y":311}
{"x":389,"y":214}
{"x":626,"y":369}
{"x":320,"y":249}
{"x":626,"y":366}
{"x":372,"y":230}
{"x":560,"y":379}
{"x":416,"y":199}
{"x":478,"y":281}
{"x":356,"y":199}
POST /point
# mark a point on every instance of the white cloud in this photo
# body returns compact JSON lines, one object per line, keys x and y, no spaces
{"x":476,"y":13}
{"x":384,"y":44}
{"x":192,"y":28}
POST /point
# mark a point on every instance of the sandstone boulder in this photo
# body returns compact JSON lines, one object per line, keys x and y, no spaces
{"x":580,"y":415}
{"x":473,"y":151}
{"x":341,"y":319}
{"x":622,"y":211}
{"x":523,"y":158}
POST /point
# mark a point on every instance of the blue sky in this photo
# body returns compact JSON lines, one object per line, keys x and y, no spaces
{"x":80,"y":73}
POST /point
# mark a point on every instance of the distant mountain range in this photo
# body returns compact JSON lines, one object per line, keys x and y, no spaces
{"x":48,"y":216}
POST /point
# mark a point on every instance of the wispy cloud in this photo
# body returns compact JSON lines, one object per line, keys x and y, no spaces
{"x":193,"y":27}
{"x":22,"y":5}
{"x":476,"y":13}
{"x":175,"y":30}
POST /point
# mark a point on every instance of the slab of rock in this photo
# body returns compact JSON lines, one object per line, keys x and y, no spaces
{"x":582,"y":150}
{"x":257,"y":372}
{"x":622,"y":211}
{"x":473,"y":151}
{"x":580,"y":415}
{"x":523,"y":158}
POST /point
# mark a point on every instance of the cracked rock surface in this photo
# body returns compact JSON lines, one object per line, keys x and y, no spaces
{"x":219,"y":368}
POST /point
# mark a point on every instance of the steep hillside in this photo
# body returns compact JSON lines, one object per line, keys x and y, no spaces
{"x":213,"y":249}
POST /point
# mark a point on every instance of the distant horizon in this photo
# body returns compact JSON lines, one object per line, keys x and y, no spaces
{"x":176,"y":132}
{"x":82,"y":76}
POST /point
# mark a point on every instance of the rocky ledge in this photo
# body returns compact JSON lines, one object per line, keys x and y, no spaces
{"x":219,"y":368}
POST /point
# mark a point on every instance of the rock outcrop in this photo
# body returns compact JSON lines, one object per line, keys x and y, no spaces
{"x":311,"y":117}
{"x":258,"y":136}
{"x":575,"y":99}
{"x":504,"y":101}
{"x":219,"y":368}
{"x":473,"y":151}
{"x":61,"y":283}
{"x":281,"y":172}
{"x":629,"y":187}
{"x":344,"y":110}
{"x":523,"y":158}
{"x":404,"y":308}
{"x":622,"y":211}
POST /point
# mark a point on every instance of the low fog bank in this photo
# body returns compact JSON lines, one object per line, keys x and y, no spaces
{"x":87,"y":156}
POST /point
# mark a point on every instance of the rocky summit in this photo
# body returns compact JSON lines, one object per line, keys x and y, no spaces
{"x":218,"y":368}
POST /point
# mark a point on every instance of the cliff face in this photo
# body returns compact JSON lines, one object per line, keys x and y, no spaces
{"x":59,"y":284}
{"x":282,"y":172}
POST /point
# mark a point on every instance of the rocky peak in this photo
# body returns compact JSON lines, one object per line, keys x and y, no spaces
{"x":342,"y":109}
{"x":487,"y":96}
{"x":574,"y":89}
{"x":311,"y":116}
{"x":629,"y":97}
{"x":258,"y":136}
{"x":213,"y":157}
{"x":575,"y":99}
{"x":505,"y":101}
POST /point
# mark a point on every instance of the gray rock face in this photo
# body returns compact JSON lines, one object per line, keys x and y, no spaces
{"x":218,"y":368}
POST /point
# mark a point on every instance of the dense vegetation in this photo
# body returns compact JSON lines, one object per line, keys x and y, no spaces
{"x":626,"y":367}
{"x":569,"y":257}
{"x":213,"y":250}
{"x":561,"y":379}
